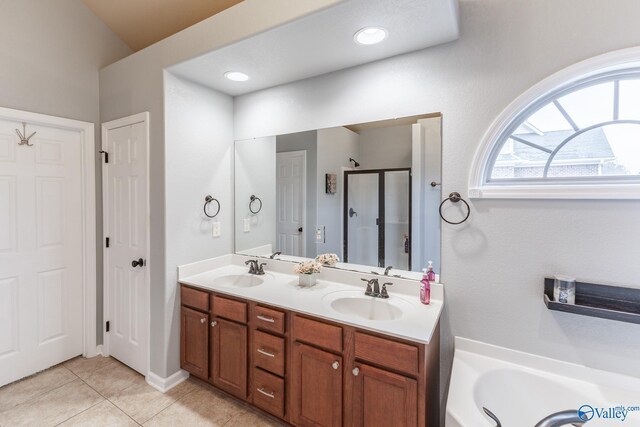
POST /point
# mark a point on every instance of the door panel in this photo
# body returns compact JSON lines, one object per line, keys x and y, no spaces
{"x":362,"y":203}
{"x":126,"y":225}
{"x":229,"y":357}
{"x":194,"y":345}
{"x":316,"y":387}
{"x":41,"y":285}
{"x":382,"y":399}
{"x":291,"y":201}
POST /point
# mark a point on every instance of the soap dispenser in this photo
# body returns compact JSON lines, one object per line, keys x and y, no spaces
{"x":425,"y":288}
{"x":431,"y":275}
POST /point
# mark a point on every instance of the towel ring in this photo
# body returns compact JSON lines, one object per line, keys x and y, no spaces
{"x":455,"y":198}
{"x":208,"y":200}
{"x":253,"y":199}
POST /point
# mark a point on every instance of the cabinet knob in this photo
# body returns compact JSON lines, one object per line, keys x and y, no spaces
{"x":204,"y":319}
{"x":335,"y":365}
{"x":355,"y":371}
{"x":214,"y":323}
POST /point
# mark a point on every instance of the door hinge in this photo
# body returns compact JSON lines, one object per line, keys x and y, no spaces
{"x":106,"y":156}
{"x":108,"y":326}
{"x":107,"y":242}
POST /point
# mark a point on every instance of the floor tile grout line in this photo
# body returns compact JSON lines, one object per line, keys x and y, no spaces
{"x":109,"y":400}
{"x":172,"y":403}
{"x":81,"y":412}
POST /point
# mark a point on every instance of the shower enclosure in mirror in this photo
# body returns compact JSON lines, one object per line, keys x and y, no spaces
{"x":377,"y":217}
{"x":359,"y":191}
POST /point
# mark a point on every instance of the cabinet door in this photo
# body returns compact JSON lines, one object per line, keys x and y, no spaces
{"x":229,"y":356}
{"x":316,"y":387}
{"x":194,"y":342}
{"x":382,"y":398}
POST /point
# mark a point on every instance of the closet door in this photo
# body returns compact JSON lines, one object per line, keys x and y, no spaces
{"x":41,"y":249}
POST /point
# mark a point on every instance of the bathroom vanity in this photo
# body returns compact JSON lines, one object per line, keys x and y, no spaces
{"x":321,"y":356}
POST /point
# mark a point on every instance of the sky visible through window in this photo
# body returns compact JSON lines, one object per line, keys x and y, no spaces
{"x":593,"y":131}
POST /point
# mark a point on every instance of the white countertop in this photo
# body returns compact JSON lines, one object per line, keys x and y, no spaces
{"x":280,"y":289}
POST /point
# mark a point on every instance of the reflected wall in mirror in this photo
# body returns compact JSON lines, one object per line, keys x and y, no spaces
{"x":360,"y":191}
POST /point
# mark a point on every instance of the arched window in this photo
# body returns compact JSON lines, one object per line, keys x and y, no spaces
{"x":574,"y":135}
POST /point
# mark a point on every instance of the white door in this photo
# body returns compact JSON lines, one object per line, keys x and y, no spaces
{"x":291,"y":194}
{"x":41,"y":249}
{"x":126,"y":224}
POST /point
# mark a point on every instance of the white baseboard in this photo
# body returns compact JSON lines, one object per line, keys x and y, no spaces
{"x":97,"y":351}
{"x":165,"y":384}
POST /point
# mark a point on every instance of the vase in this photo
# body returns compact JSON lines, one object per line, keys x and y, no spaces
{"x":307,"y":280}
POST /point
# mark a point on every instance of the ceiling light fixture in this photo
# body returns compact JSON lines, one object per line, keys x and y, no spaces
{"x":370,"y":35}
{"x":236,"y":76}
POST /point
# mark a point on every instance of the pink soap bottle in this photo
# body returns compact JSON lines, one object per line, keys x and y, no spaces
{"x":431,"y":275}
{"x":425,"y":288}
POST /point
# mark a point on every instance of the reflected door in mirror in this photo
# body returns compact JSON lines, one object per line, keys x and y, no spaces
{"x":291,"y":201}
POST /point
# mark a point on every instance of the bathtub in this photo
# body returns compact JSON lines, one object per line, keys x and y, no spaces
{"x":521,"y":389}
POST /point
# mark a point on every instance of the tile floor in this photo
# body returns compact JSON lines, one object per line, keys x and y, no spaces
{"x":103,"y":392}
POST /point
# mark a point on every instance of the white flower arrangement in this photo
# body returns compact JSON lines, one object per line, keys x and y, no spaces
{"x":328,"y":259}
{"x":308,"y":267}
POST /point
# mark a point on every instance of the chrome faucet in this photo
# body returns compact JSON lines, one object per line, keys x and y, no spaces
{"x":383,"y":291}
{"x":255,"y":267}
{"x":273,"y":255}
{"x":376,"y":287}
{"x":386,"y":270}
{"x":562,"y":418}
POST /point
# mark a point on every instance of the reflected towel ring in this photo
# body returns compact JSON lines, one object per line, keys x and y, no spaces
{"x":208,"y":200}
{"x":455,"y":198}
{"x":253,"y":199}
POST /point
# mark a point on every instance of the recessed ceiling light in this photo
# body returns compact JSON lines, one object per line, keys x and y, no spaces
{"x":236,"y":76}
{"x":370,"y":35}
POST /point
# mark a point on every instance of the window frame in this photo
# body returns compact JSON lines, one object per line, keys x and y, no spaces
{"x":616,"y":65}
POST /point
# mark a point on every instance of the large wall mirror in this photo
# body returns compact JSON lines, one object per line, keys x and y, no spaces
{"x":367,"y":192}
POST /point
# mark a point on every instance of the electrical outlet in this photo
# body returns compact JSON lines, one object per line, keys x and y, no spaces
{"x":320,"y":234}
{"x":247,"y":225}
{"x":216,"y":229}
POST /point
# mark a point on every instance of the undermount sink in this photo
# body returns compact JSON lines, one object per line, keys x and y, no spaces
{"x":238,"y":280}
{"x":356,"y":304}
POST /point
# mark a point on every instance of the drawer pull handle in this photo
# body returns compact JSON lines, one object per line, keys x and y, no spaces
{"x":266,"y":319}
{"x":203,"y":320}
{"x":266,"y":353}
{"x":213,"y":324}
{"x":335,"y":365}
{"x":266,"y":393}
{"x":355,"y":371}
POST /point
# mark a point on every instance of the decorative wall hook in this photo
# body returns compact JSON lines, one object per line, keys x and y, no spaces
{"x":24,"y":140}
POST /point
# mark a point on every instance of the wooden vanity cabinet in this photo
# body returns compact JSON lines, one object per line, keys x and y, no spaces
{"x":307,"y":371}
{"x":194,"y":342}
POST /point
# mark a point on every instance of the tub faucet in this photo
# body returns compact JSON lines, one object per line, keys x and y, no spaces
{"x":562,"y":418}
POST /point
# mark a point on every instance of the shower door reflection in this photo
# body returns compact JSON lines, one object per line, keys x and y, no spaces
{"x":377,"y":217}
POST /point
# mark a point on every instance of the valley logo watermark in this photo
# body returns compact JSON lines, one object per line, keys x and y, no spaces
{"x":620,"y":412}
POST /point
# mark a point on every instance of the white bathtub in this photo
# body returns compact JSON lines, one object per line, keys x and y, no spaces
{"x":521,"y":389}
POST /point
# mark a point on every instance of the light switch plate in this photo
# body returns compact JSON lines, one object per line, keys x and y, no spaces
{"x":216,"y":229}
{"x":247,"y":225}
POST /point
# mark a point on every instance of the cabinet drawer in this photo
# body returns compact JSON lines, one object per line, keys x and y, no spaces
{"x":269,"y":352}
{"x":387,"y":353}
{"x":269,"y":319}
{"x":229,"y":309}
{"x":317,"y":333}
{"x":194,"y":298}
{"x":268,"y":393}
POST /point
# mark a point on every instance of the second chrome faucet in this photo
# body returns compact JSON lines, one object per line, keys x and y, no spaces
{"x":373,"y":288}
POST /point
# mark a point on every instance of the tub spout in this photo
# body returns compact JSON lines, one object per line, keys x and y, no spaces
{"x":562,"y":418}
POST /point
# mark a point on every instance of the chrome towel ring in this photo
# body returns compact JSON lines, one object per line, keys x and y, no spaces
{"x":253,"y":199}
{"x":455,"y":198}
{"x":208,"y":200}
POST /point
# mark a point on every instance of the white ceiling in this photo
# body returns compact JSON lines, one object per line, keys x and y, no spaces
{"x":323,"y":42}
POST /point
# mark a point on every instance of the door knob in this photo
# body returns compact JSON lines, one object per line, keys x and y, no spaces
{"x":137,"y":263}
{"x":300,"y":230}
